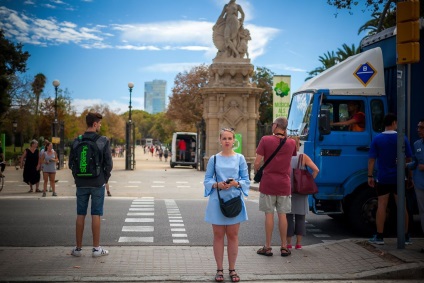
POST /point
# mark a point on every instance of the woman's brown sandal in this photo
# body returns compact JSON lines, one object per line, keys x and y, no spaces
{"x":285,"y":251}
{"x":234,"y":277}
{"x":265,"y":251}
{"x":219,"y":277}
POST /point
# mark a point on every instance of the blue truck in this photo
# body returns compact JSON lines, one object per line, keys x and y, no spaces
{"x":368,"y":79}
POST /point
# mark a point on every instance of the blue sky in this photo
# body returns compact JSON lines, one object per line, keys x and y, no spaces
{"x":95,"y":47}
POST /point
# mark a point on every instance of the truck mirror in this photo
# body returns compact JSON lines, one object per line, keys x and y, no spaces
{"x":324,"y":122}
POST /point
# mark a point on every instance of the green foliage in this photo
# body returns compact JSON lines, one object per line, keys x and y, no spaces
{"x":12,"y":60}
{"x":330,"y":59}
{"x":263,"y":77}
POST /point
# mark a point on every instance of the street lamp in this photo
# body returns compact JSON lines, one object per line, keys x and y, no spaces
{"x":128,"y":134}
{"x":56,"y":84}
{"x":130,"y":86}
{"x":15,"y":126}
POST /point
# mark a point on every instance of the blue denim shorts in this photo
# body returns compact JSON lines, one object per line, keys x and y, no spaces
{"x":97,"y":200}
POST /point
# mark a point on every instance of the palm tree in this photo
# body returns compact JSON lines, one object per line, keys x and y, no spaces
{"x":347,"y":51}
{"x":37,"y":88}
{"x":328,"y":60}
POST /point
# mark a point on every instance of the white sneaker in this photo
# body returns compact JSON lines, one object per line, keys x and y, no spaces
{"x":100,"y":252}
{"x":76,"y":252}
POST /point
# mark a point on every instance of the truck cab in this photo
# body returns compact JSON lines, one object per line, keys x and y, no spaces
{"x":340,"y":152}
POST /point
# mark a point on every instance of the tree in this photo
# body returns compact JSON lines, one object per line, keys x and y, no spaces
{"x":347,"y":51}
{"x":186,"y":105}
{"x":37,"y":87}
{"x":327,"y":60}
{"x":387,"y":16}
{"x":330,"y":59}
{"x":12,"y":60}
{"x":263,"y":77}
{"x":373,"y":25}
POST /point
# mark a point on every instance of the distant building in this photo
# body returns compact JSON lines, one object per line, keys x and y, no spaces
{"x":154,"y":96}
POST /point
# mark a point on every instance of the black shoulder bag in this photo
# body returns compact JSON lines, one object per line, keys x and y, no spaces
{"x":230,"y":208}
{"x":258,"y":174}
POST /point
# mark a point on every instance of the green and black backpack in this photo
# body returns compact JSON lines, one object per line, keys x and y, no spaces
{"x":87,"y":157}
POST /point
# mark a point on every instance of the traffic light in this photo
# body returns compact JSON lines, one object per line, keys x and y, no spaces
{"x":408,"y":32}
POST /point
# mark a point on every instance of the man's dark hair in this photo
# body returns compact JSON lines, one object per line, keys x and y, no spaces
{"x":92,"y":117}
{"x":389,"y":119}
{"x":421,"y":120}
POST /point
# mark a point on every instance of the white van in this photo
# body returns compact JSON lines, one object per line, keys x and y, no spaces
{"x":149,"y":142}
{"x":187,"y":157}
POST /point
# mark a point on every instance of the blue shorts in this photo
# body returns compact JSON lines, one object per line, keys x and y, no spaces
{"x":97,"y":200}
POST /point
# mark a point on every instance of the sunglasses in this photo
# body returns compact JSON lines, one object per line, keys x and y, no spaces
{"x":227,"y":130}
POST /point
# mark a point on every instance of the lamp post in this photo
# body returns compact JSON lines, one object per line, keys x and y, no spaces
{"x":128,"y":134}
{"x":15,"y":126}
{"x":56,"y":84}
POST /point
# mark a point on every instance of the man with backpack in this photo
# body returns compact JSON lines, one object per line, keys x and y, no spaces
{"x":90,"y":160}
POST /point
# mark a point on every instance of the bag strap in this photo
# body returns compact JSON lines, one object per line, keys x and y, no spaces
{"x":300,"y":161}
{"x":216,"y":179}
{"x":282,"y":142}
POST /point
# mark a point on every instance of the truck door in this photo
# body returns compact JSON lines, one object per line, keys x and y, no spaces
{"x":344,"y":152}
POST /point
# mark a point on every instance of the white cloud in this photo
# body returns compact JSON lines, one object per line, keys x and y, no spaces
{"x":176,"y":32}
{"x":169,"y":35}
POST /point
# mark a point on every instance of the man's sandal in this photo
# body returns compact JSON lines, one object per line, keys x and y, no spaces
{"x":234,"y":277}
{"x":285,"y":251}
{"x":265,"y":251}
{"x":219,"y":277}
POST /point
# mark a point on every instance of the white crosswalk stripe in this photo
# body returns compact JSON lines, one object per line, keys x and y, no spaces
{"x":175,"y":220}
{"x":138,"y":214}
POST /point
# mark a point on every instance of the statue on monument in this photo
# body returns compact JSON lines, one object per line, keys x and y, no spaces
{"x":229,"y":35}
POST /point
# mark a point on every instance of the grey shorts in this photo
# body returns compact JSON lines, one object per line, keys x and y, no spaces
{"x":268,"y":203}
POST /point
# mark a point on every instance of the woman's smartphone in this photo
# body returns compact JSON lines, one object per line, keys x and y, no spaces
{"x":229,"y":180}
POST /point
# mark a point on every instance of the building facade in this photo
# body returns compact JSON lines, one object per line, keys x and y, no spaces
{"x":155,"y":96}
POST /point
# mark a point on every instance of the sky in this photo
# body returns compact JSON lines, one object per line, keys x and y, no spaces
{"x":96,"y":47}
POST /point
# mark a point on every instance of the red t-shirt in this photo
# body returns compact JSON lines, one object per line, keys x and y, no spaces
{"x":182,"y":145}
{"x":276,"y":176}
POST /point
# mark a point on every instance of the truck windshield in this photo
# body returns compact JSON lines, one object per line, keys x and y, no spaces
{"x":300,"y":114}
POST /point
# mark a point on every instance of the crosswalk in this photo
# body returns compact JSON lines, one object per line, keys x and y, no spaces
{"x":139,"y":223}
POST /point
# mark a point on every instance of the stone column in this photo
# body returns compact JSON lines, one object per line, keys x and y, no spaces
{"x":231,"y":101}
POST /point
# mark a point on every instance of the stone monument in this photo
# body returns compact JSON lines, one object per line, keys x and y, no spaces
{"x":230,"y":99}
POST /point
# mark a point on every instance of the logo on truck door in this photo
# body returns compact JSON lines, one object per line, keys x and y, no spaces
{"x":365,"y":73}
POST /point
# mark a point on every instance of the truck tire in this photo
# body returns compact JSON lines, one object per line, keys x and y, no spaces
{"x":361,"y":211}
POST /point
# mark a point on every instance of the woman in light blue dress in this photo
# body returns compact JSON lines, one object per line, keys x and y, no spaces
{"x":225,"y":165}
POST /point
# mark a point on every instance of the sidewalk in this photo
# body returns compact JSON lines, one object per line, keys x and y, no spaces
{"x":340,"y":260}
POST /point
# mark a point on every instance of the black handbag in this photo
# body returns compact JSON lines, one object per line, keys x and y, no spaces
{"x":258,"y":175}
{"x":230,"y":208}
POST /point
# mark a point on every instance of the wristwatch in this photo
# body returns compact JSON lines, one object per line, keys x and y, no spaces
{"x":238,"y":185}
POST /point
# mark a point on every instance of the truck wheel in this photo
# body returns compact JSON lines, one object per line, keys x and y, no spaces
{"x":362,"y":210}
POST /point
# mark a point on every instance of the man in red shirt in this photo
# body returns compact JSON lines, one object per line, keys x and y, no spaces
{"x":182,"y":146}
{"x":356,"y":120}
{"x":275,"y":185}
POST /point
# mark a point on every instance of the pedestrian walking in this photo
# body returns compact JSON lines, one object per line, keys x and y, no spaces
{"x":29,"y":162}
{"x":275,"y":186}
{"x":226,"y":172}
{"x":417,"y":165}
{"x":384,"y":150}
{"x":299,"y":203}
{"x":48,"y":160}
{"x":91,"y":187}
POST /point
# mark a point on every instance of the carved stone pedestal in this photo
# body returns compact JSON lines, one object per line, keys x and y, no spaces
{"x":231,"y":101}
